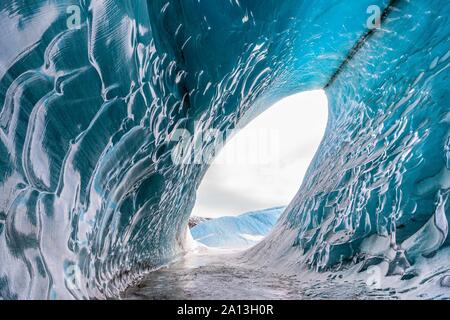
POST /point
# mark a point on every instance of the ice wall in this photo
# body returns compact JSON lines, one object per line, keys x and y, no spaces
{"x":378,"y":187}
{"x":93,"y":93}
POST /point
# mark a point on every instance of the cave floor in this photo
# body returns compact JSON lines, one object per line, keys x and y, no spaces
{"x":218,"y":275}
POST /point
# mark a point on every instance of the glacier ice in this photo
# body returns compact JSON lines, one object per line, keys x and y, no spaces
{"x":240,"y":231}
{"x":89,"y":196}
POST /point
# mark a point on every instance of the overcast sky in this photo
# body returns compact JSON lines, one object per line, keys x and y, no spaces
{"x":263,"y":165}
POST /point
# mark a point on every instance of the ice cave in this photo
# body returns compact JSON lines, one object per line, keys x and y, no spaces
{"x":96,"y":96}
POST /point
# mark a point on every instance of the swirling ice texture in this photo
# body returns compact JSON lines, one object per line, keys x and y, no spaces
{"x":378,"y":188}
{"x":89,"y":195}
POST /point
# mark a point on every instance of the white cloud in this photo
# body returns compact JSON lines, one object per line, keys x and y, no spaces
{"x":264,"y":164}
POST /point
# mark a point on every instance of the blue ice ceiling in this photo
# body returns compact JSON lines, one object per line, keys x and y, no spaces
{"x":89,"y":195}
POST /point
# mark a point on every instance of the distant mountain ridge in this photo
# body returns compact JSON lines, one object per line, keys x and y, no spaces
{"x":240,"y":231}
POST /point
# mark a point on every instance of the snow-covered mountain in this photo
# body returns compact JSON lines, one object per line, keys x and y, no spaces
{"x":237,"y":231}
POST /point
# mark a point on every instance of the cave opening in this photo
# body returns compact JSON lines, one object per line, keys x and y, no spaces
{"x":258,"y":172}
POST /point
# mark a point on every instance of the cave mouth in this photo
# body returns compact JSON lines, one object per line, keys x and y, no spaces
{"x":258,"y":172}
{"x":89,"y":196}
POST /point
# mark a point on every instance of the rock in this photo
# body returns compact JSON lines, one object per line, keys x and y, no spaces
{"x":399,"y":265}
{"x":194,"y":220}
{"x":410,"y":274}
{"x":445,"y":281}
{"x":369,"y":262}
